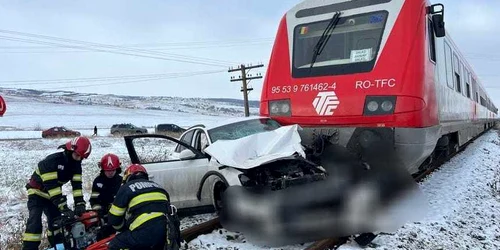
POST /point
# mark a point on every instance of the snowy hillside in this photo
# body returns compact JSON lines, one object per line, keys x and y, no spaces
{"x":29,"y":112}
{"x":214,"y":106}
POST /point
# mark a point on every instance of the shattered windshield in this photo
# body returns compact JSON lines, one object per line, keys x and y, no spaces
{"x":352,"y":47}
{"x":239,"y":130}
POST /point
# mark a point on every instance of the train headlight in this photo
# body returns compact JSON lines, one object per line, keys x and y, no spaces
{"x":372,"y":106}
{"x":280,"y":108}
{"x":285,"y":108}
{"x":274,"y":108}
{"x":379,"y":105}
{"x":387,"y":106}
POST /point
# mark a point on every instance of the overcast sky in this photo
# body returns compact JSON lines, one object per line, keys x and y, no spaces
{"x":211,"y":35}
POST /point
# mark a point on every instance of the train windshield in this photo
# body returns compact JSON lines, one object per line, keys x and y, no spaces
{"x":352,"y":47}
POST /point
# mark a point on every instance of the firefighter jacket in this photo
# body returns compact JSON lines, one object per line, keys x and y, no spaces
{"x":104,"y":190}
{"x":137,"y":203}
{"x":52,"y":173}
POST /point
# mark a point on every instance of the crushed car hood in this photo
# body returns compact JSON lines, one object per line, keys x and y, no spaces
{"x":258,"y":149}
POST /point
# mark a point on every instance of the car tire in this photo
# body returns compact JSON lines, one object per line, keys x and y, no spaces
{"x":219,"y":189}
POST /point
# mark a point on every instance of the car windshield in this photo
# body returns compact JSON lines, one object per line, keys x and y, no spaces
{"x":239,"y":130}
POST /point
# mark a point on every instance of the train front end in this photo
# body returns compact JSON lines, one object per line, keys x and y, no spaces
{"x":355,"y":71}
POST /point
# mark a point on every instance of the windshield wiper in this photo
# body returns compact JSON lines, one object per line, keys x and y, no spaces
{"x":327,"y":33}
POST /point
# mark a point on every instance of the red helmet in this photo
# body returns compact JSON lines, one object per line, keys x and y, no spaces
{"x":133,"y":170}
{"x":109,"y":162}
{"x":80,"y":145}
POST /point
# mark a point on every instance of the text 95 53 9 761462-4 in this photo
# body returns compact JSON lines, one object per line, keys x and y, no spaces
{"x":296,"y":88}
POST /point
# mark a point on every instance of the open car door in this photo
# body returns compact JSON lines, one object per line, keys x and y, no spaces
{"x":179,"y":173}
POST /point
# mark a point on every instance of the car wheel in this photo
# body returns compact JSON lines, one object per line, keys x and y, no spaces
{"x":219,"y":189}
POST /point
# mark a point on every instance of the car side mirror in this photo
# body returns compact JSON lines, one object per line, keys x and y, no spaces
{"x":187,"y":154}
{"x":437,"y":12}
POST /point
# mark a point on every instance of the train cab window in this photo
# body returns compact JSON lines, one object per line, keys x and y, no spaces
{"x":449,"y":65}
{"x":456,"y":70}
{"x":432,"y":40}
{"x":352,"y":47}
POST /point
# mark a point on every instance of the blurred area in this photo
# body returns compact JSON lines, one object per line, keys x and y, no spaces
{"x":367,"y":190}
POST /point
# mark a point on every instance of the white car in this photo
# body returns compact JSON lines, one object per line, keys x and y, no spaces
{"x":195,"y":169}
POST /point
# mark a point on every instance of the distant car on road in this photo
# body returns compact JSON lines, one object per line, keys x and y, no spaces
{"x":59,"y":132}
{"x":169,"y":128}
{"x":127,"y":128}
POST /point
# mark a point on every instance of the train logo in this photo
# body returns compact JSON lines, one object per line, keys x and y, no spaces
{"x":325,"y":103}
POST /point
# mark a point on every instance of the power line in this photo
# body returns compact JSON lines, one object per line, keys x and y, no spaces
{"x":88,"y":79}
{"x":85,"y":78}
{"x":163,"y":44}
{"x":179,"y":75}
{"x":108,"y":51}
{"x":100,"y":45}
{"x":110,"y":48}
{"x":88,"y":45}
{"x":60,"y":51}
{"x":178,"y":45}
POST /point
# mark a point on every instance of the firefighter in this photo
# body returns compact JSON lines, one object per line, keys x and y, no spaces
{"x":104,"y":189}
{"x":106,"y":185}
{"x":45,"y":193}
{"x":147,"y":206}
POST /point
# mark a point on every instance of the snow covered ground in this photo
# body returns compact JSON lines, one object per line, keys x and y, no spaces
{"x":464,"y":212}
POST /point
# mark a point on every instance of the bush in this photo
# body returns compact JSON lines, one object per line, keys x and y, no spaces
{"x":37,"y":127}
{"x":495,"y":185}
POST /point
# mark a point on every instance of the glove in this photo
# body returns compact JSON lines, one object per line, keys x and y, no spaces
{"x":67,"y":213}
{"x":80,"y":209}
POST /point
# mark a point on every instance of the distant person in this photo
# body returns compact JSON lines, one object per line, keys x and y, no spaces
{"x":95,"y":131}
{"x":45,"y":191}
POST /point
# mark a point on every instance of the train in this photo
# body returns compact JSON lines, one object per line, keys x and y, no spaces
{"x":351,"y":71}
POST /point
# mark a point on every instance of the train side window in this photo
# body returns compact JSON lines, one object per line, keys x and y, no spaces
{"x":474,"y":87}
{"x":432,"y":40}
{"x":464,"y":77}
{"x":467,"y":83}
{"x":449,"y":67}
{"x":477,"y":97}
{"x":457,"y":69}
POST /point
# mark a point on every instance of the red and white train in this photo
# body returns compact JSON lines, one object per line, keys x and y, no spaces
{"x":348,"y":67}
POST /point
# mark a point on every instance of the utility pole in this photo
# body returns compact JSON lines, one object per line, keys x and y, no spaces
{"x":245,"y":78}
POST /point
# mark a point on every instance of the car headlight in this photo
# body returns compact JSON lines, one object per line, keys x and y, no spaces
{"x":379,"y":105}
{"x":280,"y":108}
{"x":245,"y":181}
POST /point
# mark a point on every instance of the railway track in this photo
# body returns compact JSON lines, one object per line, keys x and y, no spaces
{"x":331,"y":243}
{"x":191,"y":233}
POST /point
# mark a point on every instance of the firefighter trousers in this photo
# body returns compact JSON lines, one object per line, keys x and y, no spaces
{"x":32,"y":237}
{"x":151,"y":235}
